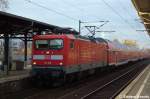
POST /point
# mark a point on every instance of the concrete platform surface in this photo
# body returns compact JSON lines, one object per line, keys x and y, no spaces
{"x":14,"y":82}
{"x":139,"y":88}
{"x":15,"y":75}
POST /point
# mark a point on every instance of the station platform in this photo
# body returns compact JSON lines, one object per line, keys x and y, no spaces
{"x":139,"y":88}
{"x":15,"y":75}
{"x":14,"y":82}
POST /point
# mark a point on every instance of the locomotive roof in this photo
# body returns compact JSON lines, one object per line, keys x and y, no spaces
{"x":92,"y":39}
{"x":71,"y":36}
{"x":101,"y":40}
{"x":46,"y":36}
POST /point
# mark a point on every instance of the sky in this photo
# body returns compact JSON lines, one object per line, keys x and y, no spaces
{"x":121,"y":14}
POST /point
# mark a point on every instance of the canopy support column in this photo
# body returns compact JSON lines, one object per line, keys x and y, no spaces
{"x":6,"y":53}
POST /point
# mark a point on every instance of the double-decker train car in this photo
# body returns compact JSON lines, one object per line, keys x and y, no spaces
{"x":56,"y":56}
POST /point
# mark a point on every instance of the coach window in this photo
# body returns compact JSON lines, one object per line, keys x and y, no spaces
{"x":72,"y":44}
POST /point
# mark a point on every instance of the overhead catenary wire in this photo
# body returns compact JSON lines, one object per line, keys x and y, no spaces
{"x":69,"y":17}
{"x":81,"y":10}
{"x":107,"y":4}
{"x":52,"y":10}
{"x":125,"y":9}
{"x":72,"y":5}
{"x":78,"y":8}
{"x":129,"y":14}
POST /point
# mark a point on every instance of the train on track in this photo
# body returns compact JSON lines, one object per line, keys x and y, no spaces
{"x":57,"y":56}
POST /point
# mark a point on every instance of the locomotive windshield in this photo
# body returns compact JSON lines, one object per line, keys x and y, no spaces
{"x":49,"y":44}
{"x":56,"y":43}
{"x":41,"y":44}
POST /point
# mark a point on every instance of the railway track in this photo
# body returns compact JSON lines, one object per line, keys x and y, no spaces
{"x":83,"y":88}
{"x":110,"y":89}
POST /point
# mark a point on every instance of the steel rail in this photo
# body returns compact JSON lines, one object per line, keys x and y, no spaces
{"x":107,"y":84}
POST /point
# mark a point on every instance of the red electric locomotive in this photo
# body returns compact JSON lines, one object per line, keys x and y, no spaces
{"x":55,"y":56}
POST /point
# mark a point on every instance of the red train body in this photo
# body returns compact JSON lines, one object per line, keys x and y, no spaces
{"x":60,"y":55}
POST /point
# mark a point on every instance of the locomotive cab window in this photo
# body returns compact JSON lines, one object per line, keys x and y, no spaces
{"x":72,"y":44}
{"x":49,"y":44}
{"x":41,"y":44}
{"x":56,"y":44}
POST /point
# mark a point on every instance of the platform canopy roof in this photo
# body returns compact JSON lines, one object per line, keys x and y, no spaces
{"x":143,"y":9}
{"x":13,"y":24}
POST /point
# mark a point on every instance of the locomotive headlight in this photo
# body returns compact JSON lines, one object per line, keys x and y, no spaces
{"x":60,"y":63}
{"x":34,"y":63}
{"x":47,"y":52}
{"x":56,"y":57}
